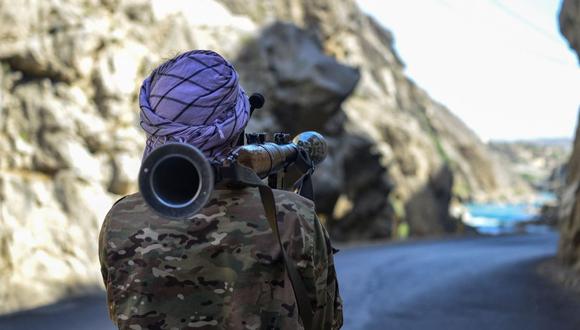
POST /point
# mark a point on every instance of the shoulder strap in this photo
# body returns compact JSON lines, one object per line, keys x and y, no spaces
{"x":304,"y":305}
{"x":243,"y":175}
{"x":306,"y":189}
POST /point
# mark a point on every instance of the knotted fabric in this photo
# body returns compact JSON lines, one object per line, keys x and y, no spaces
{"x":194,"y":98}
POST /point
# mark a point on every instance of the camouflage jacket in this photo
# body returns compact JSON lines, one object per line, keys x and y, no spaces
{"x":221,"y":269}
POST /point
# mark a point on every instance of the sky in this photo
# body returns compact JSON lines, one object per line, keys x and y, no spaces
{"x":502,"y":66}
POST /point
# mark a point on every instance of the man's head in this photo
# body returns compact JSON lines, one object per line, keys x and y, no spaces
{"x":194,"y":98}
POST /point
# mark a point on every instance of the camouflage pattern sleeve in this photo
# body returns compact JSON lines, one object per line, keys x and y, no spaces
{"x":103,"y":259}
{"x":317,"y":269}
{"x":313,"y":254}
{"x":331,"y":314}
{"x":102,"y":246}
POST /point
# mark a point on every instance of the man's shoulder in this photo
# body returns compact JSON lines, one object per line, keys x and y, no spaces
{"x":246,"y":204}
{"x":246,"y":201}
{"x":284,"y":197}
{"x":295,"y":209}
{"x":127,"y":213}
{"x":129,"y":204}
{"x":252,"y":196}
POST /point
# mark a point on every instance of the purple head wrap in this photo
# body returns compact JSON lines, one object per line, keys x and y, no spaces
{"x":194,"y":98}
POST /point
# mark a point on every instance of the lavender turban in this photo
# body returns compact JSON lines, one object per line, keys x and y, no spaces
{"x":194,"y":98}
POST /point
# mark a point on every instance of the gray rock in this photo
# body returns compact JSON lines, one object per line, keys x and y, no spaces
{"x":304,"y":87}
{"x":569,"y":208}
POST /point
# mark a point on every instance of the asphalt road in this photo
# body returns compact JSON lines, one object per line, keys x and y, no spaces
{"x":481,"y":283}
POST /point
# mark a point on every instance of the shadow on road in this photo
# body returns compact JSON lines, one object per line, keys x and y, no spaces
{"x":476,"y":284}
{"x":83,"y":313}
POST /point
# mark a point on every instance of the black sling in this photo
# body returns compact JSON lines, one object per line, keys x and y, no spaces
{"x":242,"y":175}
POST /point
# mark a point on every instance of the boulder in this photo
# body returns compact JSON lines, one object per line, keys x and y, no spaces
{"x":303,"y":87}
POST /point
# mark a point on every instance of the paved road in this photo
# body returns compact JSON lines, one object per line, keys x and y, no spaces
{"x":482,"y":283}
{"x":87,"y":313}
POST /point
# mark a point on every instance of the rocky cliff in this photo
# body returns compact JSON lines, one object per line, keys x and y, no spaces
{"x":405,"y":141}
{"x":540,"y":162}
{"x":70,"y":144}
{"x":569,"y":251}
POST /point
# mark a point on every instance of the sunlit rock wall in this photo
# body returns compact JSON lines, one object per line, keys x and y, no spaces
{"x":69,"y":139}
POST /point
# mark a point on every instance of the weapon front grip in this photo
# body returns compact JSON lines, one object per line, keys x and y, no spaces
{"x":266,"y":159}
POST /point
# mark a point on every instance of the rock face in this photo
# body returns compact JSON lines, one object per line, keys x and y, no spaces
{"x":69,"y":139}
{"x":425,"y":153}
{"x":569,"y":211}
{"x":70,"y":144}
{"x":570,"y":23}
{"x":540,"y":162}
{"x":569,"y":251}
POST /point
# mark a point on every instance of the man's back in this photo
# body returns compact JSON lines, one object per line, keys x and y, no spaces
{"x":221,"y":268}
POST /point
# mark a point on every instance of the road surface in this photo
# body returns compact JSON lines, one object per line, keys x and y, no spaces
{"x":481,"y":283}
{"x":477,"y":283}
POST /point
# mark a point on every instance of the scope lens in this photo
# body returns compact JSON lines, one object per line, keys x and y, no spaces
{"x":175,"y":181}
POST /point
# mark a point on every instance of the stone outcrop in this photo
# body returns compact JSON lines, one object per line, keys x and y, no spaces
{"x":413,"y":139}
{"x":69,"y":140}
{"x":540,"y":162}
{"x":569,"y":250}
{"x":70,"y":144}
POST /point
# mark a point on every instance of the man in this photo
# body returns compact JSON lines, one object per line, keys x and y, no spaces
{"x":221,"y":268}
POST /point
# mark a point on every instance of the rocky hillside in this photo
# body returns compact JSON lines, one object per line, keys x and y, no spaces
{"x":387,"y":135}
{"x":541,"y":163}
{"x":569,"y":251}
{"x":70,"y":145}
